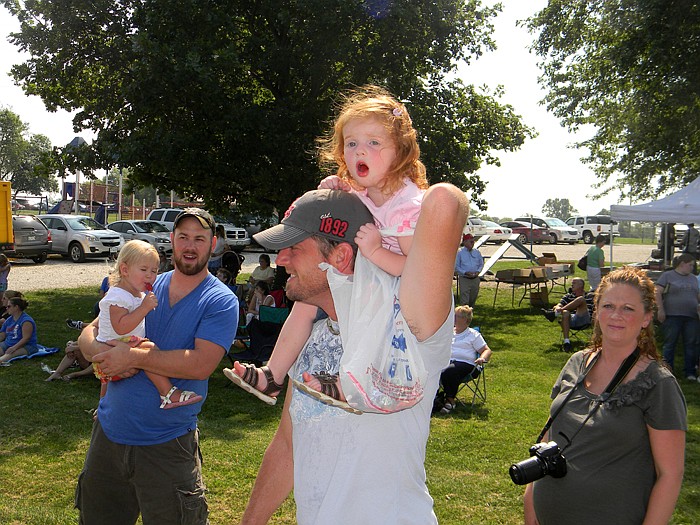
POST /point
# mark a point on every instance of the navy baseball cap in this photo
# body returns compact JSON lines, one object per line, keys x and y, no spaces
{"x":334,"y":214}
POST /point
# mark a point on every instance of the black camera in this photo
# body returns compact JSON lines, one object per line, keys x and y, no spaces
{"x":545,"y":458}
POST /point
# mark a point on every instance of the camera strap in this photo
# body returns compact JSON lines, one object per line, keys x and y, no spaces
{"x":625,"y":367}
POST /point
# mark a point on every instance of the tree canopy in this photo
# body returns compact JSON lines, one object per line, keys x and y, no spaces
{"x":224,"y":100}
{"x":25,"y":160}
{"x":560,"y":208}
{"x":631,"y":68}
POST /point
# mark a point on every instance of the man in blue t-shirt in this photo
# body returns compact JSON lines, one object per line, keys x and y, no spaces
{"x":143,"y":459}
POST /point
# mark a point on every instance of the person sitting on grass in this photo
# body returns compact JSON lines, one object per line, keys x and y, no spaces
{"x":575,"y":310}
{"x":76,"y":324}
{"x":5,"y":301}
{"x":73,"y":357}
{"x":18,"y":332}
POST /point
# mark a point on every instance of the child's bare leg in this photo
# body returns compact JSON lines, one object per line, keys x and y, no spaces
{"x":171,"y":395}
{"x":294,"y":334}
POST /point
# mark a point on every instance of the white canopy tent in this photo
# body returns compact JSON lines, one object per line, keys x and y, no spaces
{"x":682,"y":206}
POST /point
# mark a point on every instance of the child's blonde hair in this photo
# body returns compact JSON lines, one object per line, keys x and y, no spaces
{"x":377,"y":103}
{"x":131,"y":253}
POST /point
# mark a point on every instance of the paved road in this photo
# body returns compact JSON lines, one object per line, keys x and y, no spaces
{"x":61,"y":273}
{"x":566,"y":252}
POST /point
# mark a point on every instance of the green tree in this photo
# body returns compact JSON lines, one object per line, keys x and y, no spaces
{"x":25,"y":161}
{"x":224,"y":100}
{"x":631,"y":68}
{"x":12,"y":142}
{"x":560,"y":208}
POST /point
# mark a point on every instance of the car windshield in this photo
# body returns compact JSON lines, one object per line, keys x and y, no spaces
{"x":555,"y":223}
{"x":528,"y":225}
{"x":150,"y":227}
{"x":491,"y":224}
{"x":83,"y":223}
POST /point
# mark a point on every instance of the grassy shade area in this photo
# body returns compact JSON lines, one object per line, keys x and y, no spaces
{"x":45,"y":427}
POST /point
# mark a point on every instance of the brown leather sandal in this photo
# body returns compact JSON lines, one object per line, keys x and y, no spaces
{"x":329,"y":394}
{"x":249,"y":382}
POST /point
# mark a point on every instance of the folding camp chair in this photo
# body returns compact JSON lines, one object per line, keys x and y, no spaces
{"x":581,"y":334}
{"x":262,"y":336}
{"x":475,"y":382}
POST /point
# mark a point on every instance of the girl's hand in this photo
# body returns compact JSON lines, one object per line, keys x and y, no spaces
{"x":368,"y":239}
{"x":334,"y":182}
{"x":150,"y":301}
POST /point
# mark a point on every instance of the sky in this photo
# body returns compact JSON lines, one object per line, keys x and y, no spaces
{"x":544,"y":168}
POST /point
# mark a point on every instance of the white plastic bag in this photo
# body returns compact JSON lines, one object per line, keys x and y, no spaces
{"x":381,"y":369}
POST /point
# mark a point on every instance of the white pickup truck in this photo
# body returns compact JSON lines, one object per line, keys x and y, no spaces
{"x":589,"y":226}
{"x":236,"y":238}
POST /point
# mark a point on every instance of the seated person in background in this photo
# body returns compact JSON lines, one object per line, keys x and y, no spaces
{"x":263,"y":272}
{"x":229,"y":280}
{"x":73,"y":357}
{"x":18,"y":332}
{"x":79,"y":325}
{"x":223,"y":275}
{"x":277,"y":289}
{"x":468,"y":350}
{"x":9,"y":294}
{"x":219,"y":249}
{"x":261,"y":297}
{"x":575,"y":310}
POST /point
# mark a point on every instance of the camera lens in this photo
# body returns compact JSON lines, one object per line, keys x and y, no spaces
{"x":527,"y":471}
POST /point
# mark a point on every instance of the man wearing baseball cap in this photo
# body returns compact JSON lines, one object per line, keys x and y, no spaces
{"x":344,"y":467}
{"x":467,"y":267}
{"x":143,"y":459}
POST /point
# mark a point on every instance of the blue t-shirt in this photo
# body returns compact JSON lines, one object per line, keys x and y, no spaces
{"x":130,"y":413}
{"x":104,"y":286}
{"x":13,"y":329}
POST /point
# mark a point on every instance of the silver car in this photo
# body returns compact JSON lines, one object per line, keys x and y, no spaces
{"x":150,"y":231}
{"x":78,"y":237}
{"x":32,"y":239}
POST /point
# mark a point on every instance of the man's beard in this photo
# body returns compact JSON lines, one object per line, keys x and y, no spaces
{"x":186,"y":267}
{"x":309,"y":290}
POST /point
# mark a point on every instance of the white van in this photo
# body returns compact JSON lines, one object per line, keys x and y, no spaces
{"x":589,"y":226}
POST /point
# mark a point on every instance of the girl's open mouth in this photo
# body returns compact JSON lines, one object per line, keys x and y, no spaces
{"x":362,"y":169}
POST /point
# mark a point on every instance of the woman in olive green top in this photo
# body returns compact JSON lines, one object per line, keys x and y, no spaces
{"x":625,"y":462}
{"x":595,"y":261}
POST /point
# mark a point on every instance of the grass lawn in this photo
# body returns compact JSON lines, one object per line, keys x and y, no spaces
{"x":45,"y":430}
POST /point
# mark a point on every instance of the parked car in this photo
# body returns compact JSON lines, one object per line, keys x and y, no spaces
{"x":150,"y":231}
{"x":32,"y":239}
{"x":589,"y":226}
{"x":236,"y":238}
{"x":558,"y":230}
{"x":78,"y":237}
{"x":497,"y":233}
{"x":525,"y":230}
{"x":475,"y":226}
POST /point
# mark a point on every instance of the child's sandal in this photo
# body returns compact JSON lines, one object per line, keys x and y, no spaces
{"x":329,"y":393}
{"x":249,"y":382}
{"x":186,"y":398}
